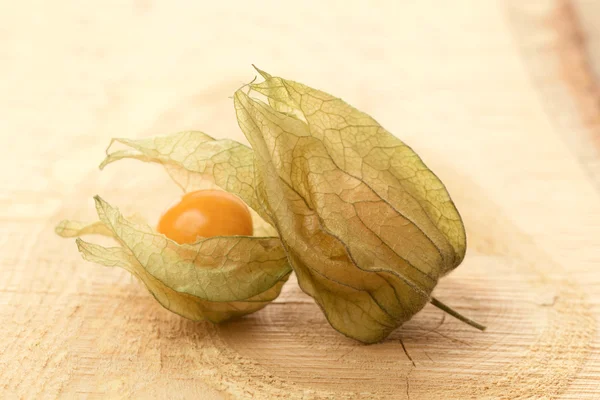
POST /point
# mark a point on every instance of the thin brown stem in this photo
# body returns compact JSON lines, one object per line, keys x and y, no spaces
{"x":455,"y":314}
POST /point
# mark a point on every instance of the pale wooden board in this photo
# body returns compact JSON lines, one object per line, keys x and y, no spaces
{"x":478,"y":88}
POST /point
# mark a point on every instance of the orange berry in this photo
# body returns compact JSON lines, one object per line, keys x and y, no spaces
{"x":206,"y":213}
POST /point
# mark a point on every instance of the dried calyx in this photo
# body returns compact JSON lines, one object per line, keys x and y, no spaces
{"x":365,"y":225}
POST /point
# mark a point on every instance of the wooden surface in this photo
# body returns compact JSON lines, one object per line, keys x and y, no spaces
{"x":499,"y":97}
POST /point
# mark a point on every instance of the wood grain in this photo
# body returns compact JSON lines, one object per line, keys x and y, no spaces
{"x":499,"y":98}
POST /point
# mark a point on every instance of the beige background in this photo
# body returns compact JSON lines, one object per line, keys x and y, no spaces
{"x":499,"y":97}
